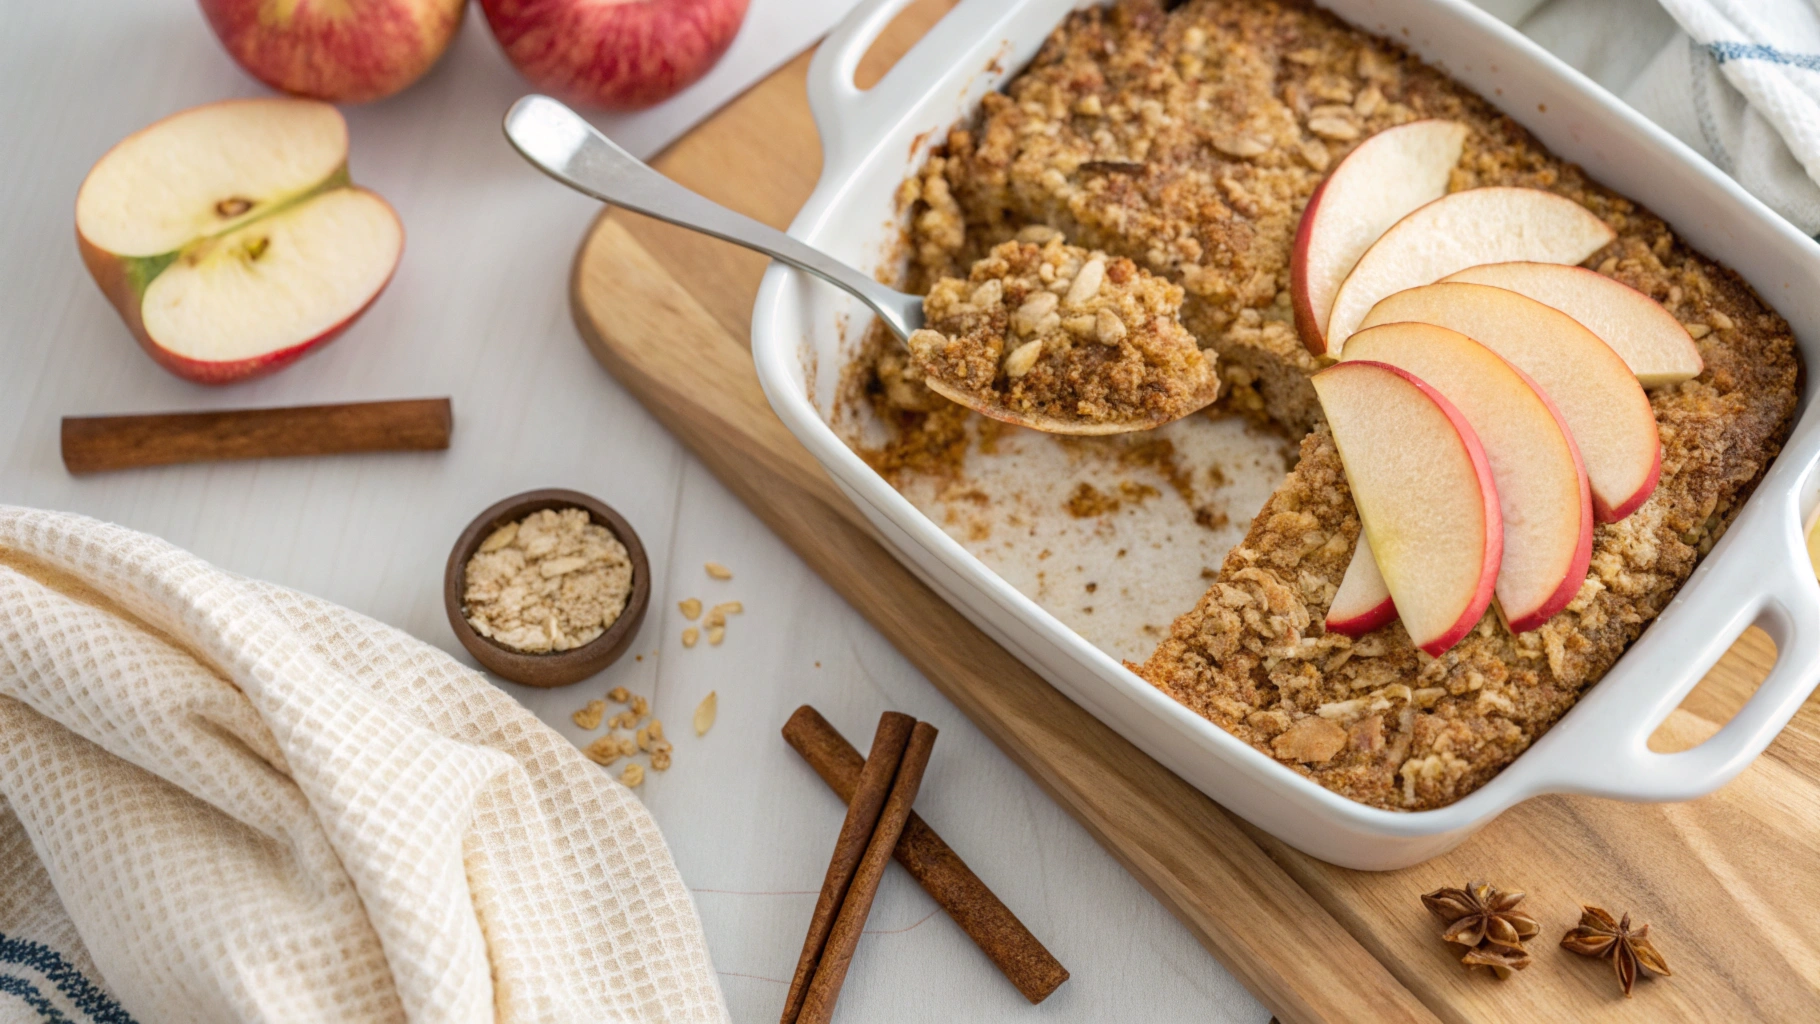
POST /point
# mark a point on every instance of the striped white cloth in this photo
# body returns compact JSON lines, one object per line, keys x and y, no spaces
{"x":1741,"y":84}
{"x":221,"y":800}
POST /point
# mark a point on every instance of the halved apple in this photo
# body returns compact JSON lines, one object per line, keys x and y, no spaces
{"x":1647,"y":337}
{"x":1390,"y":174}
{"x":1424,"y":491}
{"x":1363,"y":602}
{"x":1543,"y":496}
{"x":1460,"y":230}
{"x":229,"y":239}
{"x":1604,"y":407}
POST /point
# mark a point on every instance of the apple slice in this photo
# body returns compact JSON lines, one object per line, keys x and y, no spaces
{"x":1543,"y":496}
{"x":1424,"y":492}
{"x":1605,"y":408}
{"x":1363,"y":602}
{"x":229,"y":240}
{"x":1390,"y":174}
{"x":1460,"y":230}
{"x":1647,"y":337}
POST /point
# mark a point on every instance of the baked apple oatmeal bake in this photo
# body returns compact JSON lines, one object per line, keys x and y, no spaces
{"x":1184,"y":146}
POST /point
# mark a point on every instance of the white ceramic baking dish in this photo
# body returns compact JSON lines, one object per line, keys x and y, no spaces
{"x":803,"y":331}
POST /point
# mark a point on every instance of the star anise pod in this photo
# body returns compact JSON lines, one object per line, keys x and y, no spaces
{"x":1599,"y":935}
{"x":1480,"y":914}
{"x":1499,"y":959}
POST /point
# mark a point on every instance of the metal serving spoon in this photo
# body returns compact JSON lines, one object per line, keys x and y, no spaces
{"x":563,"y":145}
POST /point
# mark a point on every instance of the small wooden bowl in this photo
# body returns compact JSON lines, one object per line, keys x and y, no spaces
{"x":558,"y":668}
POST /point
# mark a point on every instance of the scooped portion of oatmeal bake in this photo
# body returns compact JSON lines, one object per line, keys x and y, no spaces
{"x":1189,"y":142}
{"x":1055,"y":335}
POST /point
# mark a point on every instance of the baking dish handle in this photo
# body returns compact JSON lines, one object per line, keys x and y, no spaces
{"x":843,"y":110}
{"x":1767,"y":579}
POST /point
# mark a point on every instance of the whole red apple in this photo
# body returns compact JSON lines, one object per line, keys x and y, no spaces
{"x":618,"y":54}
{"x":344,"y":51}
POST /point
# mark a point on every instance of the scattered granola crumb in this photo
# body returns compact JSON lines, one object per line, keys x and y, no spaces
{"x":716,"y":634}
{"x":640,"y":707}
{"x":718,"y":571}
{"x":657,"y":728}
{"x":704,"y":713}
{"x":633,"y":775}
{"x":623,"y":720}
{"x":690,"y":607}
{"x":660,"y":760}
{"x":690,"y":635}
{"x":604,"y":750}
{"x":643,"y":737}
{"x":551,"y":581}
{"x":590,"y":716}
{"x":619,"y":695}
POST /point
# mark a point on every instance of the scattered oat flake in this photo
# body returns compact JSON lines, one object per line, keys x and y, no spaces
{"x":604,"y":750}
{"x":590,"y":716}
{"x":718,"y":571}
{"x":704,"y":713}
{"x":691,"y":635}
{"x":690,"y":607}
{"x":619,"y":695}
{"x":715,"y":635}
{"x":633,"y":775}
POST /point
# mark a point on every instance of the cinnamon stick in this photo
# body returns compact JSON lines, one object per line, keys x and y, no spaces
{"x":870,"y":794}
{"x":94,"y":444}
{"x":1024,"y":961}
{"x":818,"y":1005}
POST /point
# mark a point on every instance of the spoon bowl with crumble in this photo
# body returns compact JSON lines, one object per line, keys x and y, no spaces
{"x":1040,"y":333}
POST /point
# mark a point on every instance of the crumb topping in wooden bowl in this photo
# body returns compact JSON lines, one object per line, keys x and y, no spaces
{"x":547,"y":588}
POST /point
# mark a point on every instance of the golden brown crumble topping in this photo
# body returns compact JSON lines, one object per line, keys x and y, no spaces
{"x":1053,"y":332}
{"x":1188,"y":142}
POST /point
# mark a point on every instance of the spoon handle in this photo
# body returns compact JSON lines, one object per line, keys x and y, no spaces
{"x":566,"y":147}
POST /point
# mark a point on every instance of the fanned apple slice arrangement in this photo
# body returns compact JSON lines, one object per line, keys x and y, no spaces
{"x":1488,"y":400}
{"x":230,"y":239}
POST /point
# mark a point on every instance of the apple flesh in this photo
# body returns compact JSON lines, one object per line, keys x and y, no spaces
{"x":346,"y":51}
{"x":1544,"y":500}
{"x":617,"y":55}
{"x":1606,"y":411}
{"x":1460,"y":230}
{"x":1425,"y":493}
{"x":1646,"y":336}
{"x":1386,"y":177}
{"x":1363,"y":601}
{"x":229,"y":239}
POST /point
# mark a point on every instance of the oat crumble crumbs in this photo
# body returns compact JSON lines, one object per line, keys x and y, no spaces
{"x":619,"y":695}
{"x":1187,"y":142}
{"x":589,"y":717}
{"x":705,"y":712}
{"x":648,"y":738}
{"x":691,"y":636}
{"x":633,"y":776}
{"x":718,"y":571}
{"x":1057,"y":332}
{"x":690,"y":608}
{"x":552,"y":581}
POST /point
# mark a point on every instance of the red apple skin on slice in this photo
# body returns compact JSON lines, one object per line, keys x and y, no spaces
{"x":1424,"y":490}
{"x":1606,"y":411}
{"x":1386,"y":177}
{"x":1460,"y":230}
{"x":1645,"y":335}
{"x":1363,"y":601}
{"x":1543,"y":495}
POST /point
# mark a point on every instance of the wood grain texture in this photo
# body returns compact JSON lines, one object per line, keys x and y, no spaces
{"x":95,"y":444}
{"x":1728,"y":882}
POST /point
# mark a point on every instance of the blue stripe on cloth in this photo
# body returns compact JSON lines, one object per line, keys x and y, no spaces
{"x":88,"y":997}
{"x":28,"y":994}
{"x":1723,"y":52}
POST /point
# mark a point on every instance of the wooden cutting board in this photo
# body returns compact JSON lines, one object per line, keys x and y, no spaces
{"x":1730,"y":883}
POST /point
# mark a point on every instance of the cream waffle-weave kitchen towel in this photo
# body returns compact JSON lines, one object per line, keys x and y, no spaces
{"x":224,"y":801}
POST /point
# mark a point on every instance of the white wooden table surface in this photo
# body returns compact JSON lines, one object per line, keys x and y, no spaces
{"x":478,"y":312}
